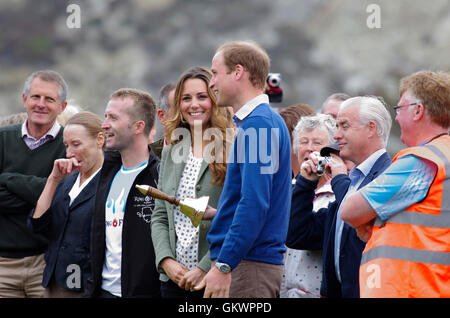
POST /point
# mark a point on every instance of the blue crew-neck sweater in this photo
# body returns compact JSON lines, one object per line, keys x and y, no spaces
{"x":253,"y":211}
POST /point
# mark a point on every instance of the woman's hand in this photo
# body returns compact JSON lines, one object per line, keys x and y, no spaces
{"x":62,"y":168}
{"x":174,"y":270}
{"x":192,"y":278}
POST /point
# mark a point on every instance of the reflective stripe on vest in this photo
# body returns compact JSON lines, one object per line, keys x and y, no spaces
{"x":406,"y":254}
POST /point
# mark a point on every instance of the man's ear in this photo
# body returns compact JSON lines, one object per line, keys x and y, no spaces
{"x":63,"y":106}
{"x":373,"y":128}
{"x":140,"y":126}
{"x":419,"y":112}
{"x":238,"y":71}
{"x":161,"y":116}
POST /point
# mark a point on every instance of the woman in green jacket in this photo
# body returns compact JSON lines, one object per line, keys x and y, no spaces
{"x":193,"y":164}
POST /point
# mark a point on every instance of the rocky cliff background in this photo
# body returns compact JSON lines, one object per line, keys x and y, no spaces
{"x":319,"y":47}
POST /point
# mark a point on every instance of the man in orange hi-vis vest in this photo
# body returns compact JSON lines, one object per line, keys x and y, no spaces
{"x":405,"y":213}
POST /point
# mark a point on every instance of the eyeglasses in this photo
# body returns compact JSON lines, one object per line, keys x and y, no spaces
{"x":396,"y":108}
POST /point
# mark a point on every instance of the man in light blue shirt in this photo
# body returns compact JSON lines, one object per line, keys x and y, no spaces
{"x":357,"y":176}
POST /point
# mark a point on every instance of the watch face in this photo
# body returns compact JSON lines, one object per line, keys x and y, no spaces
{"x":224,"y":268}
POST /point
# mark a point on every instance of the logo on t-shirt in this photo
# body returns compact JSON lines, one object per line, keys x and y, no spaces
{"x":146,"y":204}
{"x":114,"y":210}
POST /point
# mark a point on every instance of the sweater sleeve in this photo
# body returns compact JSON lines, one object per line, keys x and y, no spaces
{"x":306,"y":228}
{"x":26,"y":188}
{"x":10,"y":203}
{"x":42,"y":224}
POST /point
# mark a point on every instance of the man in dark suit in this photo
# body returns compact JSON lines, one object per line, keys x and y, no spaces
{"x":363,"y":129}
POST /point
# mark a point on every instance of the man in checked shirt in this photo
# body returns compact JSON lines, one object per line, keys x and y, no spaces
{"x":27,"y":153}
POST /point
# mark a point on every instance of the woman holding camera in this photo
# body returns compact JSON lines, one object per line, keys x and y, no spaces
{"x":303,"y":268}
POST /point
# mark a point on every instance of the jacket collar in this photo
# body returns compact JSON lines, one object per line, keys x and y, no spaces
{"x":84,"y":195}
{"x":87,"y":192}
{"x":378,"y":167}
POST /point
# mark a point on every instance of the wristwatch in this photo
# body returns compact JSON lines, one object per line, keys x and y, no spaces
{"x":224,"y":268}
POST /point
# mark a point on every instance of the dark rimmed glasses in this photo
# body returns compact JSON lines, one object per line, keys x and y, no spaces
{"x":397,"y":107}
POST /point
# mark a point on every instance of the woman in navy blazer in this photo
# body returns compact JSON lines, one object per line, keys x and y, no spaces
{"x":64,"y":210}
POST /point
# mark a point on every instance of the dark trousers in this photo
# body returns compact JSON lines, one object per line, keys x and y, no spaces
{"x":171,"y":290}
{"x":106,"y":294}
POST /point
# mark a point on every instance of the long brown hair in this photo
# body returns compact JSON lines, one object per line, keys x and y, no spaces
{"x":221,"y":118}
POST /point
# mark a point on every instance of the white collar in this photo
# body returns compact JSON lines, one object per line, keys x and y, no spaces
{"x":77,"y":188}
{"x":52,"y":131}
{"x":248,"y":107}
{"x":367,"y":164}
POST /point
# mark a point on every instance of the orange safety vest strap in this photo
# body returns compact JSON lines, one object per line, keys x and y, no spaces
{"x":406,"y":254}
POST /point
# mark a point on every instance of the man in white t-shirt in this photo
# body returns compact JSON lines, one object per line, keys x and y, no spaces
{"x":122,"y":252}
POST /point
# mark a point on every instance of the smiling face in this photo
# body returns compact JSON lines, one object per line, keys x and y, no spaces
{"x":117,"y":124}
{"x":222,"y":82}
{"x":310,"y":141}
{"x":42,"y":105}
{"x":83,"y":147}
{"x":196,"y":104}
{"x":351,"y":135}
{"x":404,"y":117}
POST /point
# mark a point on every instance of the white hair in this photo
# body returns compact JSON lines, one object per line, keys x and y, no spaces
{"x":372,"y":108}
{"x":48,"y":76}
{"x":70,"y":110}
{"x":308,"y":123}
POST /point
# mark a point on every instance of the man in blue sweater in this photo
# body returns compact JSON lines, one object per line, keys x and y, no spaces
{"x":248,"y":232}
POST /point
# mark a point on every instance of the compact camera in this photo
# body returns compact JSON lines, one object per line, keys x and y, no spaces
{"x":320,"y":167}
{"x":273,"y":88}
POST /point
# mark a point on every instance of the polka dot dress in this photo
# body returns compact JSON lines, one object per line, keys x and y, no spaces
{"x":187,"y":234}
{"x":302,"y":268}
